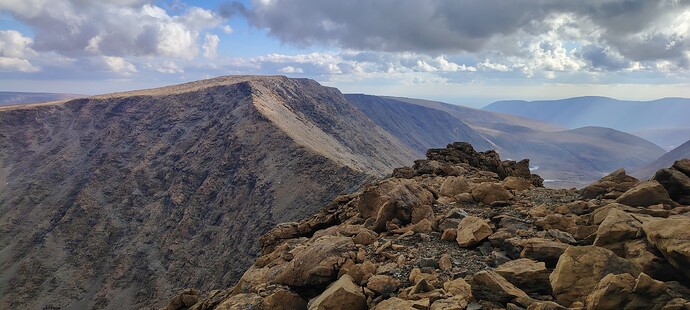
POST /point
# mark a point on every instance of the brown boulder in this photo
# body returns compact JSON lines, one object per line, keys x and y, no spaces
{"x":396,"y":303}
{"x":490,"y":286}
{"x":472,"y":230}
{"x":672,"y":237}
{"x":516,"y":184}
{"x":392,"y":199}
{"x":342,"y":294}
{"x":616,"y":182}
{"x":315,"y":263}
{"x":487,"y":193}
{"x":528,"y":275}
{"x":383,"y":285}
{"x":452,"y":303}
{"x":458,"y":287}
{"x":184,"y":300}
{"x":683,"y":166}
{"x":580,"y":269}
{"x":567,"y":223}
{"x":676,"y":183}
{"x":453,"y":186}
{"x":543,"y":250}
{"x":612,"y":292}
{"x":241,"y":301}
{"x":618,"y":227}
{"x":646,"y":194}
{"x":284,"y":300}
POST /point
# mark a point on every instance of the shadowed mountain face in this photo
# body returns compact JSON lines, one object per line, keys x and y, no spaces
{"x":126,"y":198}
{"x":416,"y":126}
{"x":565,"y":158}
{"x":681,"y":152}
{"x":13,"y":98}
{"x":662,"y":121}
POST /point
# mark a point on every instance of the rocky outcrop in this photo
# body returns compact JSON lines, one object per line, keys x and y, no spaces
{"x":610,"y":186}
{"x":420,"y":240}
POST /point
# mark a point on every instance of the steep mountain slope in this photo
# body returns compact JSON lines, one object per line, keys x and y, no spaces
{"x":12,"y":98}
{"x":418,"y":127}
{"x":565,"y":158}
{"x":630,"y":116}
{"x":681,"y":152}
{"x":124,"y":198}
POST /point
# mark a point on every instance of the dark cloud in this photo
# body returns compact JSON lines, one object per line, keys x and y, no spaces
{"x":639,"y":30}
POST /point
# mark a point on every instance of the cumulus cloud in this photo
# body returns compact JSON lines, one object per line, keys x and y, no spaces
{"x":210,"y":46}
{"x":291,"y":69}
{"x":15,"y":51}
{"x":632,"y":31}
{"x":119,"y":28}
{"x":118,"y":64}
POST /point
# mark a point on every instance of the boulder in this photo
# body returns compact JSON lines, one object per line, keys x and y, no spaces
{"x":445,"y":263}
{"x":516,"y":184}
{"x":672,"y":237}
{"x":396,"y":303}
{"x":449,"y":234}
{"x":452,"y":303}
{"x":241,"y":301}
{"x":580,"y":269}
{"x":383,"y":285}
{"x":365,"y":237}
{"x":683,"y":166}
{"x":543,"y":250}
{"x":458,"y":287}
{"x":488,"y":193}
{"x":612,"y":292}
{"x":676,"y":183}
{"x":618,"y":227}
{"x":453,"y":186}
{"x":283,"y":299}
{"x":342,"y":294}
{"x":623,"y":291}
{"x":528,"y":275}
{"x":472,"y":230}
{"x":567,"y":223}
{"x":616,"y":182}
{"x":489,"y":285}
{"x":315,"y":263}
{"x":184,"y":300}
{"x":646,"y":194}
{"x":392,"y":199}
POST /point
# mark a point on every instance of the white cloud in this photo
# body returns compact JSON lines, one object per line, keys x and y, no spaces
{"x":291,"y":69}
{"x":227,"y":29}
{"x":210,"y":46}
{"x":15,"y":51}
{"x":122,"y":28}
{"x":16,"y":64}
{"x":118,"y":65}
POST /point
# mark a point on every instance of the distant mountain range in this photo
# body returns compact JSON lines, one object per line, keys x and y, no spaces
{"x":12,"y":98}
{"x":565,"y":158}
{"x":662,"y":121}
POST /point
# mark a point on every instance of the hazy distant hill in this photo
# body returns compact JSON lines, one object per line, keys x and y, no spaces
{"x":565,"y":158}
{"x":12,"y":98}
{"x":127,"y":198}
{"x":681,"y":152}
{"x":644,"y":118}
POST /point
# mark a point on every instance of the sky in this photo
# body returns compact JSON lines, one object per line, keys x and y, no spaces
{"x":459,"y":51}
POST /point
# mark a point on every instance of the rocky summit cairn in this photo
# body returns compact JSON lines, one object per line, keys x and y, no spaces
{"x":465,"y":230}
